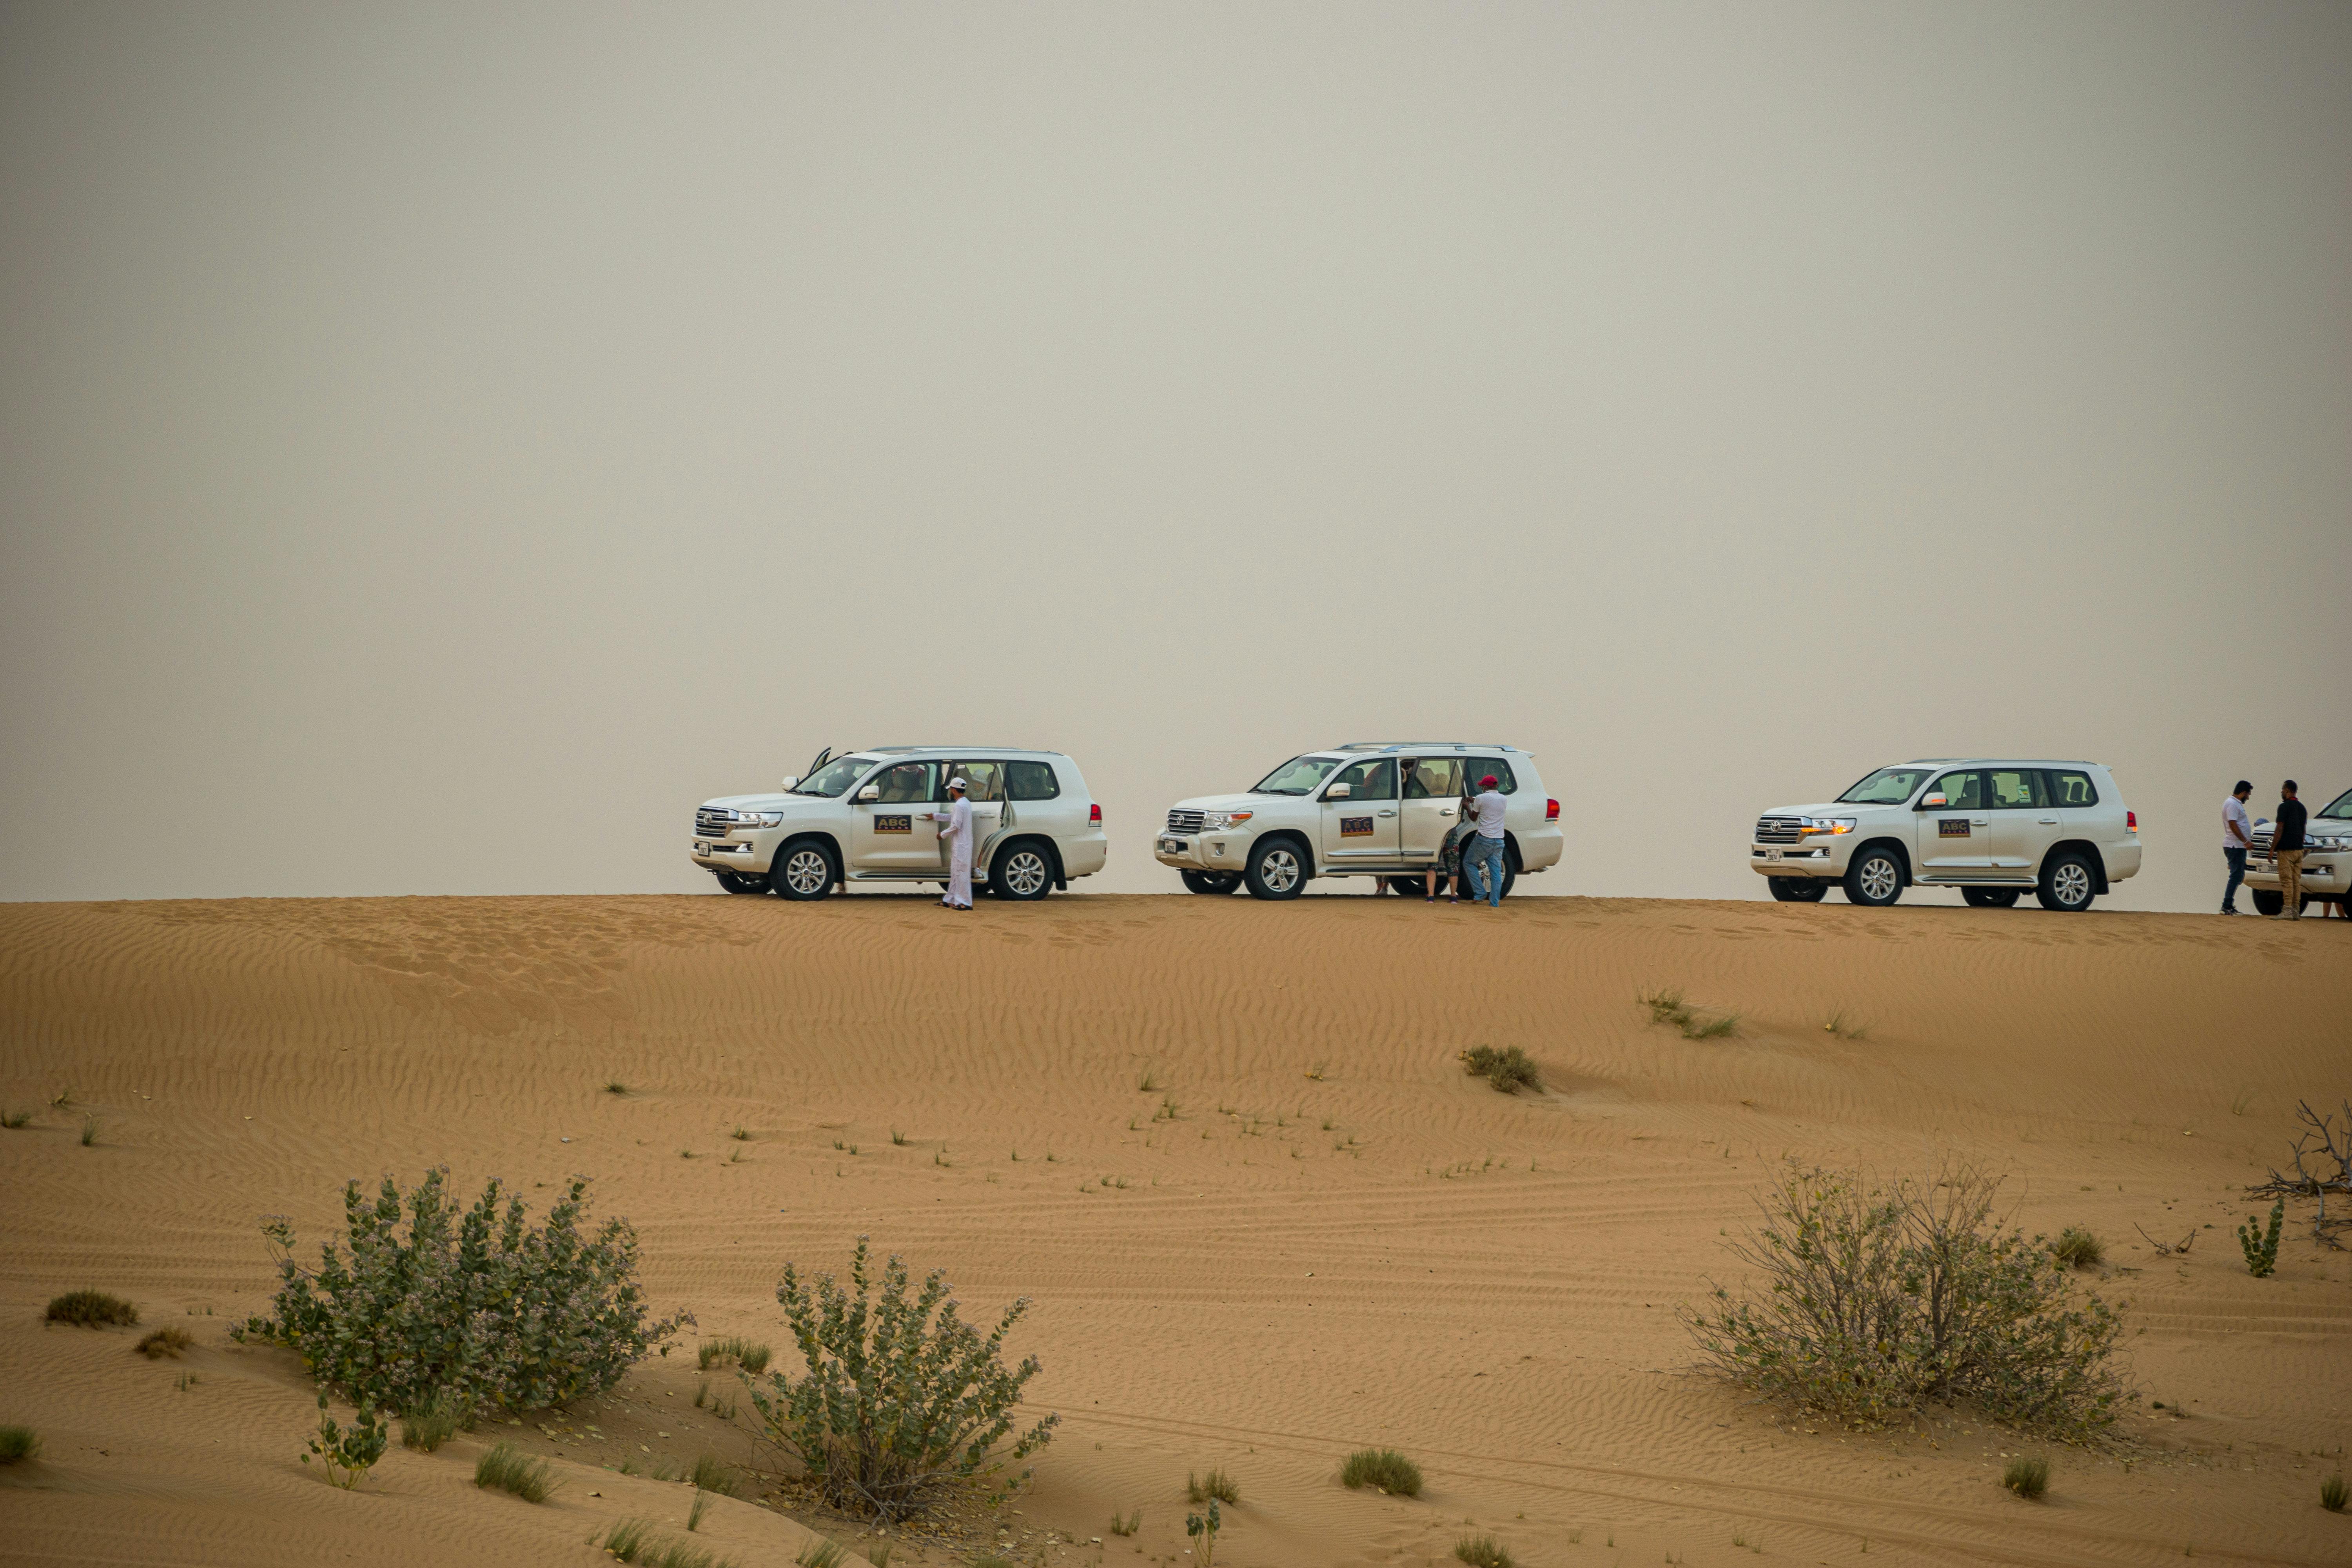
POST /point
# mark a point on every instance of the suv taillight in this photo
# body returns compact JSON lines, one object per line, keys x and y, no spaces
{"x":2131,"y":822}
{"x":1552,"y":811}
{"x":1093,"y":815}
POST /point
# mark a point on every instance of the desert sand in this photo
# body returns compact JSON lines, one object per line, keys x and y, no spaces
{"x":1311,"y":1232}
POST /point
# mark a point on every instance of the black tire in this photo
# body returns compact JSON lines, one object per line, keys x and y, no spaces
{"x":1798,"y":890}
{"x":1413,"y":887}
{"x":1277,"y":868}
{"x":736,"y":882}
{"x":2268,"y":900}
{"x":1875,"y":878}
{"x":1022,"y":871}
{"x":2069,"y":883}
{"x":1992,"y":898}
{"x":804,"y":870}
{"x":1210,"y":881}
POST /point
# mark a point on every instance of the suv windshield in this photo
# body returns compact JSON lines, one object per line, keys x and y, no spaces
{"x":1887,"y":787}
{"x":2340,"y":807}
{"x":834,"y":778}
{"x":1296,"y":776}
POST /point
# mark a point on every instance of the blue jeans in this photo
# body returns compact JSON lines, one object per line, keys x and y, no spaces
{"x":1482,"y":859}
{"x":2237,"y":858}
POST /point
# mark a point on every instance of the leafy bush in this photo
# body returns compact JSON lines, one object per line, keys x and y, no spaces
{"x":348,"y":1453}
{"x":1216,"y":1486}
{"x":1484,"y":1552}
{"x":2261,"y":1250}
{"x":1881,"y":1299}
{"x":431,"y":1424}
{"x":18,"y":1444}
{"x":2332,"y":1495}
{"x":90,"y":1310}
{"x":1382,"y":1467}
{"x":168,"y":1341}
{"x":1204,"y":1530}
{"x":2027,"y":1476}
{"x":494,"y":1311}
{"x":511,"y":1469}
{"x":1508,"y":1070}
{"x":901,"y":1394}
{"x":2078,"y":1249}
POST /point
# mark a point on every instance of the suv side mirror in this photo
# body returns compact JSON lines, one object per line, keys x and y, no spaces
{"x":790,"y":780}
{"x":870,"y":792}
{"x":1339,"y":791}
{"x":1930,"y":802}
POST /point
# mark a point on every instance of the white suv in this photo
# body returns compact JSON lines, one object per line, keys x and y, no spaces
{"x":1366,"y":809}
{"x":2326,"y":860}
{"x":864,"y":817}
{"x":1991,"y":827}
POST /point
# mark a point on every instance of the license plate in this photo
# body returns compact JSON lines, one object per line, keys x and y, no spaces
{"x":1173,"y":846}
{"x":700,"y":847}
{"x":1771,"y":854}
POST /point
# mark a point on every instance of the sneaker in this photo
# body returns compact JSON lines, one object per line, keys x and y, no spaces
{"x":2228,"y":912}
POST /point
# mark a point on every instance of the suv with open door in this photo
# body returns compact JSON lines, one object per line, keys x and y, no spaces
{"x":867,"y":816}
{"x":1366,"y":809}
{"x":1992,"y":827}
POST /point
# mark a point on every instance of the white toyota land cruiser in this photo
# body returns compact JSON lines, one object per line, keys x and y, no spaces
{"x":1990,"y":828}
{"x":1365,"y":809}
{"x":866,"y":818}
{"x":2326,"y":860}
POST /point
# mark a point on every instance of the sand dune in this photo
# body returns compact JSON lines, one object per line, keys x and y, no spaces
{"x":1312,"y":1232}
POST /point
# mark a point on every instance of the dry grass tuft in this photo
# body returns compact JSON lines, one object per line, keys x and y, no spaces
{"x":1484,"y":1552}
{"x":2332,"y":1495}
{"x":712,"y":1474}
{"x":167,"y":1341}
{"x":2078,"y":1249}
{"x":752,"y":1358}
{"x":426,"y":1428}
{"x":90,"y":1310}
{"x":1216,"y":1484}
{"x":21,"y":1443}
{"x":1508,"y":1070}
{"x":512,"y":1470}
{"x":1385,"y":1468}
{"x":2028,"y":1475}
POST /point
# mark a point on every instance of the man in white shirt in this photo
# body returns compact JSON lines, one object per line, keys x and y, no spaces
{"x":2237,"y":837}
{"x":955,"y":839}
{"x":1482,"y":858}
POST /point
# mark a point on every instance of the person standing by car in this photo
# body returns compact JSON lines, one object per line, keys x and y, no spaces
{"x":1484,"y":855}
{"x":955,"y":837}
{"x":2237,"y":837}
{"x":2286,"y":850}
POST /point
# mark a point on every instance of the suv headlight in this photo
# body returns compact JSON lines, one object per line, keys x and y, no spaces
{"x":1831,"y":825}
{"x":2331,"y":841}
{"x":758,"y":818}
{"x":1219,"y":821}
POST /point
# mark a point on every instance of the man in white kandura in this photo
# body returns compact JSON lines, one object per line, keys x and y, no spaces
{"x":955,"y":839}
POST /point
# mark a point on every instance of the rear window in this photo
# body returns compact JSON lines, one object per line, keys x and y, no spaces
{"x":1031,"y":781}
{"x":1506,"y":782}
{"x":2069,"y":788}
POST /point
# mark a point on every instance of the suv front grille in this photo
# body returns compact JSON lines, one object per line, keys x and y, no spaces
{"x":1779,"y":829}
{"x":2263,"y":836}
{"x":1184,"y":821}
{"x":710,"y":823}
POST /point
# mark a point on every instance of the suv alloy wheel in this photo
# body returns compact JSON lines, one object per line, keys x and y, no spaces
{"x":802,"y":872}
{"x":1874,"y":878}
{"x":1022,"y":871}
{"x":1277,"y":868}
{"x":2068,"y":884}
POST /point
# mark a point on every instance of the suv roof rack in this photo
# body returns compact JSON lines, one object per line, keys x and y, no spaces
{"x":1416,"y":745}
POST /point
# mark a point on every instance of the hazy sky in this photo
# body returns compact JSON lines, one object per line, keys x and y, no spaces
{"x":439,"y":446}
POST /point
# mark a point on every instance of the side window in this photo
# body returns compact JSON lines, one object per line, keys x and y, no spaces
{"x":909,"y":783}
{"x":1479,"y":767}
{"x":1371,"y":780}
{"x":1961,"y":791}
{"x":986,"y":780}
{"x":1432,"y":778}
{"x":2019,"y":789}
{"x":2073,"y":789}
{"x":1031,"y":781}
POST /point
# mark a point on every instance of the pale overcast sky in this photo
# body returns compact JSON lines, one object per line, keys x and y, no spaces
{"x":440,"y":445}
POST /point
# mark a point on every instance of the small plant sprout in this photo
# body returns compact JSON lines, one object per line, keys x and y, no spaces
{"x":347,"y":1454}
{"x":741,"y":1134}
{"x":15,"y":1119}
{"x":2027,"y":1475}
{"x":510,"y":1469}
{"x":2262,"y":1248}
{"x":695,"y":1511}
{"x":899,"y":1138}
{"x":1125,"y":1524}
{"x":1384,"y":1468}
{"x":2332,"y":1495}
{"x":18,"y":1444}
{"x":1841,"y":1023}
{"x":614,"y":1086}
{"x":1148,"y":1083}
{"x":89,"y":1131}
{"x":1204,"y":1528}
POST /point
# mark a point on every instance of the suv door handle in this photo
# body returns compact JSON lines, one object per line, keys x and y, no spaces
{"x":1979,"y":821}
{"x":1388,"y":814}
{"x":2049,"y":822}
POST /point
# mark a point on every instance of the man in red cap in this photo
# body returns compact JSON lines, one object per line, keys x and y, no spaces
{"x":1482,"y":859}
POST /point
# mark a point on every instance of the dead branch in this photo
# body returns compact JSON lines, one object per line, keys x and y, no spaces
{"x":2175,"y":1250}
{"x":2335,"y":1145}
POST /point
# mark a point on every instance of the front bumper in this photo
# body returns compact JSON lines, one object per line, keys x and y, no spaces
{"x":1226,"y":851}
{"x":2325,"y":874}
{"x":1816,"y":860}
{"x":746,"y":856}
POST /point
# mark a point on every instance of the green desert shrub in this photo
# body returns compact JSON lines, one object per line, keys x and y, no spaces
{"x":901,"y":1396}
{"x":431,"y":1424}
{"x":2078,"y":1249}
{"x":1508,"y":1070}
{"x":481,"y":1305}
{"x":511,"y":1469}
{"x":752,"y":1358}
{"x":1216,"y":1484}
{"x":1386,"y":1469}
{"x":2332,"y":1495}
{"x":18,"y":1444}
{"x":90,"y":1310}
{"x":1484,"y":1552}
{"x":348,"y":1453}
{"x":1875,"y":1299}
{"x":2027,"y":1475}
{"x":2261,"y":1249}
